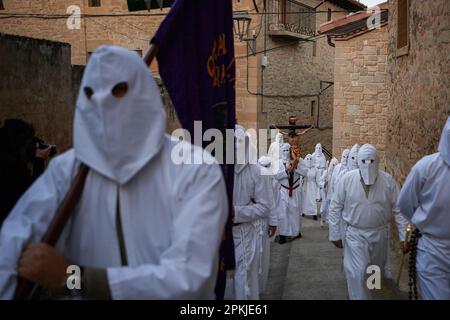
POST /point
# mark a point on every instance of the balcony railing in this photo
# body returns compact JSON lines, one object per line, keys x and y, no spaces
{"x":291,"y":19}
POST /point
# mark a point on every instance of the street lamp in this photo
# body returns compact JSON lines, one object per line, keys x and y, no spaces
{"x":241,"y":25}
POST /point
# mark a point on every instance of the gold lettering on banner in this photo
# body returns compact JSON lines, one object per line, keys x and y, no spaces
{"x":219,"y":71}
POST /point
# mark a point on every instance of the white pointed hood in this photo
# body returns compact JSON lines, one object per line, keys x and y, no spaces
{"x":353,"y":158}
{"x":279,"y":138}
{"x":245,"y":151}
{"x":333,"y":163}
{"x":444,"y":144}
{"x":368,"y":163}
{"x":118,"y":136}
{"x":285,"y":152}
{"x":308,"y":161}
{"x":344,"y":157}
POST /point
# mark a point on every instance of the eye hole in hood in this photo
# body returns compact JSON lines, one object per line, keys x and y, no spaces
{"x":88,"y":92}
{"x":120,"y":90}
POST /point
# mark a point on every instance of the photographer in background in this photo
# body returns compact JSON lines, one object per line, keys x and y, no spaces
{"x":22,"y":160}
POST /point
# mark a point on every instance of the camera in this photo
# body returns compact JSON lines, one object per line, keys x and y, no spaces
{"x":42,"y":145}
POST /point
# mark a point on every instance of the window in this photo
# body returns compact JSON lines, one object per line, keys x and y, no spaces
{"x":329,"y":15}
{"x":314,"y":49}
{"x":402,"y":27}
{"x":313,"y":108}
{"x":95,"y":3}
{"x":297,"y":17}
{"x":1,"y":5}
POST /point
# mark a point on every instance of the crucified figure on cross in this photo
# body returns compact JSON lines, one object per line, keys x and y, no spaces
{"x":293,"y":137}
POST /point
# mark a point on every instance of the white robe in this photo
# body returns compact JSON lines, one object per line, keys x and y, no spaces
{"x":340,"y":171}
{"x":248,"y":185}
{"x":310,"y":191}
{"x":172,"y":218}
{"x":326,"y":204}
{"x":367,"y":233}
{"x":425,"y":199}
{"x":288,"y":208}
{"x":272,"y":220}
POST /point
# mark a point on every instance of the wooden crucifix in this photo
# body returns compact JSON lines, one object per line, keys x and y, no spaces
{"x":293,"y":137}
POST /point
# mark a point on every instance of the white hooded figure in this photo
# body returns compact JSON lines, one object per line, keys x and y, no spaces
{"x":320,"y":163}
{"x":329,"y":176}
{"x":272,"y":221}
{"x":150,"y":228}
{"x":289,"y":200}
{"x":310,"y":190}
{"x":425,"y":200}
{"x":352,"y":163}
{"x":340,"y":170}
{"x":318,"y":158}
{"x":252,"y":207}
{"x":366,"y":201}
{"x":275,"y":152}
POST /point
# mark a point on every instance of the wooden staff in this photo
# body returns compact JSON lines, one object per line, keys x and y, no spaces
{"x":66,"y":207}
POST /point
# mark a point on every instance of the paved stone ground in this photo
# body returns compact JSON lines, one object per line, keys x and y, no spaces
{"x":311,"y":268}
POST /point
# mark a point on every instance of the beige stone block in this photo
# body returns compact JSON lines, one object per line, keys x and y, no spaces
{"x":369,"y":110}
{"x":369,"y":63}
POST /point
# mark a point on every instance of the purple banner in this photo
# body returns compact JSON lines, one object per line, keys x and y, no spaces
{"x":197,"y":66}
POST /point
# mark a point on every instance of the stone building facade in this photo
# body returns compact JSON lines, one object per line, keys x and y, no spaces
{"x":297,"y":79}
{"x":419,"y":81}
{"x":418,"y":84}
{"x":290,"y":84}
{"x":360,"y":112}
{"x":96,"y":28}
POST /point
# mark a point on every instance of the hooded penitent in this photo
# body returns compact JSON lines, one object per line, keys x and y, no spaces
{"x":285,"y":151}
{"x":318,"y":158}
{"x":368,"y":162}
{"x":117,"y":136}
{"x":245,"y":151}
{"x":425,"y":200}
{"x":308,"y":161}
{"x":172,"y":216}
{"x":344,"y":157}
{"x":353,"y":158}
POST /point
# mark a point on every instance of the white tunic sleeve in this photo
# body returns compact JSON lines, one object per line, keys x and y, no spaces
{"x":408,"y":200}
{"x":30,"y":218}
{"x":270,"y":196}
{"x":186,"y":268}
{"x":335,"y":211}
{"x":253,"y":211}
{"x":400,"y":220}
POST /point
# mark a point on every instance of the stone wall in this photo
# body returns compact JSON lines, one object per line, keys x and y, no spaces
{"x":292,"y":81}
{"x":418,"y":88}
{"x":360,"y":92}
{"x":133,"y":32}
{"x":419,"y":82}
{"x":39,"y":85}
{"x":247,"y":68}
